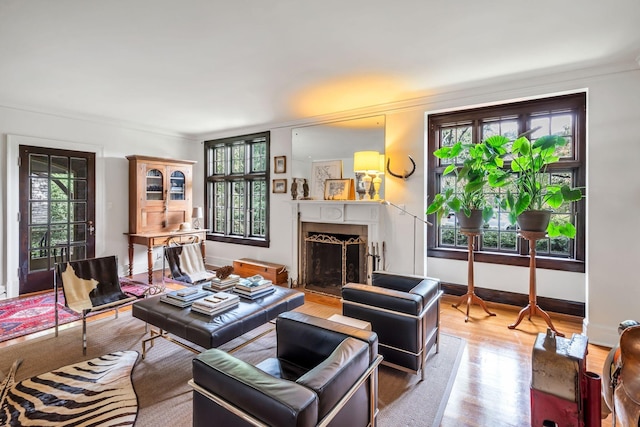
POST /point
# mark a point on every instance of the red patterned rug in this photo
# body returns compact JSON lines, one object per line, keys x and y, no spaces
{"x":23,"y":316}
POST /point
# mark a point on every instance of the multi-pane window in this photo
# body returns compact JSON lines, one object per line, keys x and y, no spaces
{"x":500,"y":242}
{"x":236,"y":189}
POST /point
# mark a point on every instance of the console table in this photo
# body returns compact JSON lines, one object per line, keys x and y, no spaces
{"x":532,"y":308}
{"x":152,"y":240}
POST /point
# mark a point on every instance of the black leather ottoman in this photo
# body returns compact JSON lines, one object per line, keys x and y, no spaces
{"x":210,"y":332}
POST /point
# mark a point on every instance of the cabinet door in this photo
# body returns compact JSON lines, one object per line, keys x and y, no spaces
{"x":178,"y":195}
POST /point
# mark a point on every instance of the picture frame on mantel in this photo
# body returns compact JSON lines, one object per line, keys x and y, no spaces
{"x":280,"y":164}
{"x":338,"y":189}
{"x":320,"y":172}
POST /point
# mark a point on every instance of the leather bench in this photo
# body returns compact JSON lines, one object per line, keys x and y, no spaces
{"x":211,"y":332}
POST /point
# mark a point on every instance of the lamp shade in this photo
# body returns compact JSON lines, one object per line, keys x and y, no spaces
{"x":381,"y":168}
{"x":197,"y":212}
{"x":366,"y":161}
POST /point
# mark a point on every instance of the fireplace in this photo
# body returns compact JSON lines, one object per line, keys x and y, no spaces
{"x":333,"y":243}
{"x":332,"y":255}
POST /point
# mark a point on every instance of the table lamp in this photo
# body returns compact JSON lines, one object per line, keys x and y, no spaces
{"x":368,"y":163}
{"x":196,"y":215}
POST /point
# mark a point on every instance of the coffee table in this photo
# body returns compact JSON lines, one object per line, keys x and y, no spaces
{"x":207,"y":331}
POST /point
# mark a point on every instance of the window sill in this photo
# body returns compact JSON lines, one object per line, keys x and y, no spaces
{"x":547,"y":263}
{"x":263,"y":243}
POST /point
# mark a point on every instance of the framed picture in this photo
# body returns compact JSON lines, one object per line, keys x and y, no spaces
{"x":279,"y":186}
{"x":320,"y":172}
{"x":338,"y":189}
{"x":279,"y":164}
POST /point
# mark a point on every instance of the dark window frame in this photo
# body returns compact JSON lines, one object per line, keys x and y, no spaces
{"x":577,"y":103}
{"x":228,"y":178}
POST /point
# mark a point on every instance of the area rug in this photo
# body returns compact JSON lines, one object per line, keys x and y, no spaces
{"x":23,"y":316}
{"x":95,"y":392}
{"x":160,"y":380}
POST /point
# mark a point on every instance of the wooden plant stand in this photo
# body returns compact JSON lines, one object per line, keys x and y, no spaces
{"x":471,"y":296}
{"x":532,"y":308}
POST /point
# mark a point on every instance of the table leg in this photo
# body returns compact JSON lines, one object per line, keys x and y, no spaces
{"x":150,"y":263}
{"x":471,"y":296}
{"x":130,"y":257}
{"x":533,"y":308}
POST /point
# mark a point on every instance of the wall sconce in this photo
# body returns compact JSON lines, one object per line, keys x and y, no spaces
{"x":196,"y":215}
{"x":368,"y":163}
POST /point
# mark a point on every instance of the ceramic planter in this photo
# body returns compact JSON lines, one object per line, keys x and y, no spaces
{"x":534,"y":220}
{"x":470,"y":223}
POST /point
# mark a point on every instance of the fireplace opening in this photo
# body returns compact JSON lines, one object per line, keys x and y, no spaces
{"x":333,"y":259}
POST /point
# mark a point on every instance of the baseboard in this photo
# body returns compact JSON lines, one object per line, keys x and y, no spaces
{"x":572,"y":308}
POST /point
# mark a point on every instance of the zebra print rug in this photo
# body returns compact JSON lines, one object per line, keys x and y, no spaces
{"x":97,"y":392}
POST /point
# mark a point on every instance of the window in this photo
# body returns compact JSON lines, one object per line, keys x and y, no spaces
{"x":500,"y":243}
{"x":236,"y":189}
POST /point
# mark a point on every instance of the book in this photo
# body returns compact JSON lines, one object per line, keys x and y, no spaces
{"x":254,"y":295}
{"x":174,"y":301}
{"x":217,"y":287}
{"x":254,"y":283}
{"x":216,"y":303}
{"x":232,"y":278}
{"x":186,"y":295}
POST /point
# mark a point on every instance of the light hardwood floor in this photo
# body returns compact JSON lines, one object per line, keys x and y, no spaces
{"x":492,"y":387}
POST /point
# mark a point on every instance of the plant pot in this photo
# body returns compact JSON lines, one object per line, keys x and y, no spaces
{"x":534,"y":220}
{"x":470,"y":223}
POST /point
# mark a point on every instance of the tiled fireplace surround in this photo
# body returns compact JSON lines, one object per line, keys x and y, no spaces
{"x":333,"y":217}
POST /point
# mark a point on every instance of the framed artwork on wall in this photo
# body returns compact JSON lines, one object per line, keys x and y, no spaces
{"x":279,"y":186}
{"x":320,"y":172}
{"x":338,"y":189}
{"x":280,"y":164}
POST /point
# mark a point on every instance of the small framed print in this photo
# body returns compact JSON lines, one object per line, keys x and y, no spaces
{"x":280,"y":164}
{"x":279,"y":186}
{"x":338,"y":189}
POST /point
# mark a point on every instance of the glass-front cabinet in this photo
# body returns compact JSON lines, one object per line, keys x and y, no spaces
{"x":159,"y":194}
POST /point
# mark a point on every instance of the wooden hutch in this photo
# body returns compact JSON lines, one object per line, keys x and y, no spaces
{"x":159,"y":202}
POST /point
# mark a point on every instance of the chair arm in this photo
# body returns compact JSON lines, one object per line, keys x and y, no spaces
{"x":382,"y":298}
{"x":241,"y":385}
{"x":305,"y":341}
{"x":332,"y":378}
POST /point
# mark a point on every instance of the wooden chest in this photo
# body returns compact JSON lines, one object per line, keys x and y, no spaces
{"x":246,"y":267}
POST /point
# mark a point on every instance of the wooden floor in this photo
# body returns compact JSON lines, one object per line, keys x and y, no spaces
{"x":492,"y":387}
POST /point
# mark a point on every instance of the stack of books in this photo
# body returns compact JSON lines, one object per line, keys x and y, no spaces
{"x":254,"y":287}
{"x":217,"y":285}
{"x":215,"y":304}
{"x":183,"y":297}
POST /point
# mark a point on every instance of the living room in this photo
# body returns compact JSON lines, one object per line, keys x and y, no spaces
{"x":604,"y":66}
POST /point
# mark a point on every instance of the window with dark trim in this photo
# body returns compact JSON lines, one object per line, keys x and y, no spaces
{"x":499,"y":243}
{"x":237,"y":190}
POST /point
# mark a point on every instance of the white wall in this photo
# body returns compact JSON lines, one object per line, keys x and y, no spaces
{"x":111,"y":143}
{"x":608,"y":287}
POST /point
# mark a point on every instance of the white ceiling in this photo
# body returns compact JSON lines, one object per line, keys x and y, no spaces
{"x":199,"y":66}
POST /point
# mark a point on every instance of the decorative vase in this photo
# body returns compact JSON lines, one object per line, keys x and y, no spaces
{"x":534,"y":220}
{"x":470,"y":223}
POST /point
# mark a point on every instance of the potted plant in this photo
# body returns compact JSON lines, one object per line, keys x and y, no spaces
{"x":481,"y":166}
{"x":535,"y":195}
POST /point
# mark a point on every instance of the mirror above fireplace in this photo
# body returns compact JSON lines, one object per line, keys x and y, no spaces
{"x":337,"y":140}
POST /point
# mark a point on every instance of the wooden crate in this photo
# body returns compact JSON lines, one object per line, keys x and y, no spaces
{"x":246,"y":267}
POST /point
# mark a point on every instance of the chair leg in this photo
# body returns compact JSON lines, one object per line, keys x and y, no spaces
{"x":84,"y":333}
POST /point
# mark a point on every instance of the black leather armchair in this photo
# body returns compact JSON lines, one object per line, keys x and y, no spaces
{"x":325,"y":373}
{"x":404,"y":310}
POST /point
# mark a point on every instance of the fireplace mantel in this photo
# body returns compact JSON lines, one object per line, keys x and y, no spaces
{"x":334,"y":212}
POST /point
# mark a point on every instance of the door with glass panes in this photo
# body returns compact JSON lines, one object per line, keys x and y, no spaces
{"x":57,"y":212}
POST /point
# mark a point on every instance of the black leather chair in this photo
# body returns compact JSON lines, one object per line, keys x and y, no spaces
{"x":404,"y":310}
{"x":325,"y":373}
